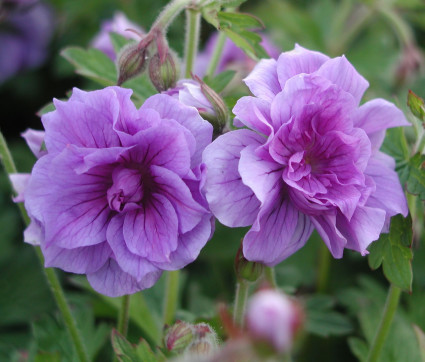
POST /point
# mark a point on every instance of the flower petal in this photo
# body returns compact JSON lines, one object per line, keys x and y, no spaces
{"x":233,"y":203}
{"x":255,"y":114}
{"x":35,"y":141}
{"x":19,"y":182}
{"x":325,"y":225}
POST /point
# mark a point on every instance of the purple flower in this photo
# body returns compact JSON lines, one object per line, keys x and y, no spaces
{"x":232,"y":56}
{"x":271,"y":317}
{"x":25,"y":34}
{"x":118,"y":24}
{"x":309,"y":159}
{"x":117,"y":196}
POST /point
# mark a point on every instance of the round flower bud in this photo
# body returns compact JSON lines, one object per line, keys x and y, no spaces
{"x":131,"y":62}
{"x":163,"y":73}
{"x":272,"y":318}
{"x":247,"y":270}
{"x":178,"y":336}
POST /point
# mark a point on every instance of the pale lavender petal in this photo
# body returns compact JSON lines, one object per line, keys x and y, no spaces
{"x":232,"y":202}
{"x":298,"y":61}
{"x":112,"y":281}
{"x":19,"y":182}
{"x":255,"y":114}
{"x":34,"y":233}
{"x":262,"y":81}
{"x":278,"y":232}
{"x":151,"y":232}
{"x":343,"y":74}
{"x":259,"y":175}
{"x":35,"y":141}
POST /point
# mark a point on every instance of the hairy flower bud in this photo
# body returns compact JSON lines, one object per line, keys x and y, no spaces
{"x":247,"y":270}
{"x":163,"y":73}
{"x":178,"y":336}
{"x":131,"y":62}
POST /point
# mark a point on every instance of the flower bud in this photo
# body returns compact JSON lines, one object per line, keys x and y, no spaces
{"x":272,"y":318}
{"x":201,"y":348}
{"x":131,"y":62}
{"x":163,"y":73}
{"x":178,"y":336}
{"x":416,"y":105}
{"x":247,"y":270}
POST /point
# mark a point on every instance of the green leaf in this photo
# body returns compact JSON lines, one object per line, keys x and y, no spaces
{"x":420,"y":335}
{"x":145,"y":353}
{"x":239,"y":20}
{"x":118,"y":41}
{"x":395,"y":145}
{"x":324,"y":321}
{"x":415,"y":174}
{"x":393,"y":252}
{"x":209,"y":13}
{"x":416,"y":105}
{"x":359,"y":348}
{"x":220,"y":81}
{"x":123,"y":349}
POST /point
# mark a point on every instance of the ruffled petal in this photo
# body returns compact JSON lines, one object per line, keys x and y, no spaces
{"x":232,"y":202}
{"x":255,"y":114}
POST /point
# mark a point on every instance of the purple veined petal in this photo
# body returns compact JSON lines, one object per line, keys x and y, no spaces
{"x":165,"y":145}
{"x":325,"y":225}
{"x":81,"y":125}
{"x":389,"y":194}
{"x":19,"y":182}
{"x":196,"y":184}
{"x":364,"y":227}
{"x":262,"y":81}
{"x":112,"y":281}
{"x":35,"y":141}
{"x":170,"y":108}
{"x":151,"y":232}
{"x":261,"y":176}
{"x":73,"y":208}
{"x":82,"y":260}
{"x":278,"y":232}
{"x":255,"y":114}
{"x":340,"y":71}
{"x":376,"y":116}
{"x":232,"y":202}
{"x":130,"y":263}
{"x":171,"y":186}
{"x":298,"y":61}
{"x":189,"y":245}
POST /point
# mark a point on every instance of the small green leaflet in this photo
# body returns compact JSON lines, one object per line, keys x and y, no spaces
{"x":220,"y":81}
{"x":393,"y":251}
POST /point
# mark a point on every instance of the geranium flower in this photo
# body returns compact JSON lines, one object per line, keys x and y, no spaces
{"x":309,"y":159}
{"x":117,"y":196}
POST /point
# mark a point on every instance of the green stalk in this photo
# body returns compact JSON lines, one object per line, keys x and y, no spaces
{"x":193,"y":26}
{"x":390,"y":308}
{"x":240,"y":302}
{"x":50,"y":274}
{"x":169,"y":13}
{"x":171,"y":296}
{"x":215,"y":58}
{"x":270,"y":276}
{"x":124,"y":315}
{"x":323,"y":268}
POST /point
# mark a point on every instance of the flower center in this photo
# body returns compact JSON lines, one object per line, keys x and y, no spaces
{"x":298,"y":166}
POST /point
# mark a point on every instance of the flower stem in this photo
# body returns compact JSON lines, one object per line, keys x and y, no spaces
{"x":124,"y":315}
{"x":390,"y":308}
{"x":270,"y":276}
{"x":193,"y":26}
{"x":323,"y":269}
{"x":50,"y":274}
{"x":215,"y":58}
{"x":240,"y":302}
{"x":169,"y":13}
{"x":171,"y":296}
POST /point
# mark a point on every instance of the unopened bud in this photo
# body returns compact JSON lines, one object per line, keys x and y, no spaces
{"x":178,"y":336}
{"x":247,"y":270}
{"x":416,"y":105}
{"x":201,"y":348}
{"x":131,"y":62}
{"x":163,"y":73}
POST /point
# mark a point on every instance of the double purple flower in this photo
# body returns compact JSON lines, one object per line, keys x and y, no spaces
{"x":117,"y":194}
{"x":309,"y":158}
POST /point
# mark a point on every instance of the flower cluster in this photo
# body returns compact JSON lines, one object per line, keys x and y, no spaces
{"x":117,"y":194}
{"x":309,"y":159}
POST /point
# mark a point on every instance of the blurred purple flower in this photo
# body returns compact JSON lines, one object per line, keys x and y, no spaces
{"x":271,"y":317}
{"x":117,"y":196}
{"x":232,"y":56}
{"x":310,"y":158}
{"x":118,"y":24}
{"x":25,"y":33}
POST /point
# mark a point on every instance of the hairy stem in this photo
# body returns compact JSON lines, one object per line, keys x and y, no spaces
{"x":123,"y":315}
{"x":171,"y":296}
{"x":193,"y":26}
{"x":169,"y":13}
{"x":390,"y":308}
{"x":240,"y":302}
{"x":50,"y":274}
{"x":215,"y":58}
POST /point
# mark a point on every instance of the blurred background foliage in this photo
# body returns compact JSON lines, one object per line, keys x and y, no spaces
{"x":383,"y":39}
